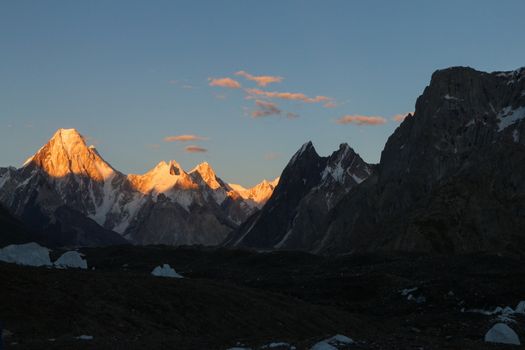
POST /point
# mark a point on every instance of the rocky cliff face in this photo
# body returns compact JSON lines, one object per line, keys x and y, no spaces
{"x":309,"y":187}
{"x":451,"y":177}
{"x":70,"y":192}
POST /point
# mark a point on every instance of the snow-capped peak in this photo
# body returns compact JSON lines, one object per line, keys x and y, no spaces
{"x":67,"y":153}
{"x":162,"y":178}
{"x":207,"y":174}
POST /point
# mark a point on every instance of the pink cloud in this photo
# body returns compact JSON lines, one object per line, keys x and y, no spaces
{"x":225,"y":82}
{"x":195,"y":149}
{"x":361,"y":120}
{"x":261,"y":80}
{"x":294,"y":96}
{"x":265,"y":109}
{"x":401,"y":117}
{"x":184,"y":138}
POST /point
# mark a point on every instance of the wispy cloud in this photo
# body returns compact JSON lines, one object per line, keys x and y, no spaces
{"x":225,"y":82}
{"x":261,"y":80}
{"x":195,"y":149}
{"x":184,"y":138}
{"x":361,"y":120}
{"x":265,"y":109}
{"x":291,"y":115}
{"x":293,"y":96}
{"x":401,"y":117}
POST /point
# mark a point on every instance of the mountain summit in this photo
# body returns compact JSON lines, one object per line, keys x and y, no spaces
{"x":66,"y":153}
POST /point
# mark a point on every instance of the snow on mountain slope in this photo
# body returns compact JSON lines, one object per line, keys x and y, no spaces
{"x":257,"y":195}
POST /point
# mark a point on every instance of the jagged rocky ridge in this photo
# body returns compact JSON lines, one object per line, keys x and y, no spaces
{"x":451,"y":180}
{"x":309,"y":187}
{"x":451,"y":177}
{"x":68,"y":191}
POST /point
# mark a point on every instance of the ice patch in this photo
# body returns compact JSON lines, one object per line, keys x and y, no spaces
{"x":71,"y":259}
{"x":165,"y":271}
{"x":29,"y":254}
{"x":502,"y":334}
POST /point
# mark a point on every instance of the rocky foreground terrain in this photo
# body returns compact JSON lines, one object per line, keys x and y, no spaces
{"x":231,"y":298}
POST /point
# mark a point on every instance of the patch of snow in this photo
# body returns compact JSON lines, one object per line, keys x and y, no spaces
{"x":448,"y":98}
{"x":165,"y":271}
{"x":71,"y":259}
{"x":520,"y":308}
{"x":29,"y":254}
{"x":332,"y":343}
{"x":85,"y":337}
{"x":357,"y":178}
{"x":516,"y":136}
{"x":407,"y":291}
{"x":509,"y":116}
{"x":502,"y":334}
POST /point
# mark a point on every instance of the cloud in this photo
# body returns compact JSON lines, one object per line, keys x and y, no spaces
{"x":225,"y":82}
{"x":291,"y":115}
{"x":195,"y":149}
{"x":261,"y":80}
{"x":265,"y":109}
{"x":293,"y":96}
{"x":361,"y":120}
{"x":184,"y":138}
{"x":401,"y":117}
{"x":330,"y":104}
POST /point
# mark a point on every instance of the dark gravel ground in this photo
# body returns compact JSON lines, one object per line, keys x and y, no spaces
{"x":234,"y":297}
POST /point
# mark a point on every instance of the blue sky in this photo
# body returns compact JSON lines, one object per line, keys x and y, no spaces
{"x":127,"y":74}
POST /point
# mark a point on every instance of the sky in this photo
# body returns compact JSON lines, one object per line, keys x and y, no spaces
{"x":239,"y":84}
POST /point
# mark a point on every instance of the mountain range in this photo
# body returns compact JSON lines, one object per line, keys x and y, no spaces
{"x":68,"y":191}
{"x":451,"y":179}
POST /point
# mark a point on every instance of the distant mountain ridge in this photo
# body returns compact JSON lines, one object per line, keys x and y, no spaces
{"x":308,"y":189}
{"x":165,"y":205}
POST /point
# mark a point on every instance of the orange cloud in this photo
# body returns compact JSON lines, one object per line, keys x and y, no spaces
{"x":195,"y":149}
{"x":401,"y":117}
{"x":361,"y":120}
{"x":225,"y":82}
{"x":184,"y":138}
{"x":265,"y":109}
{"x":294,"y":96}
{"x":261,"y":80}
